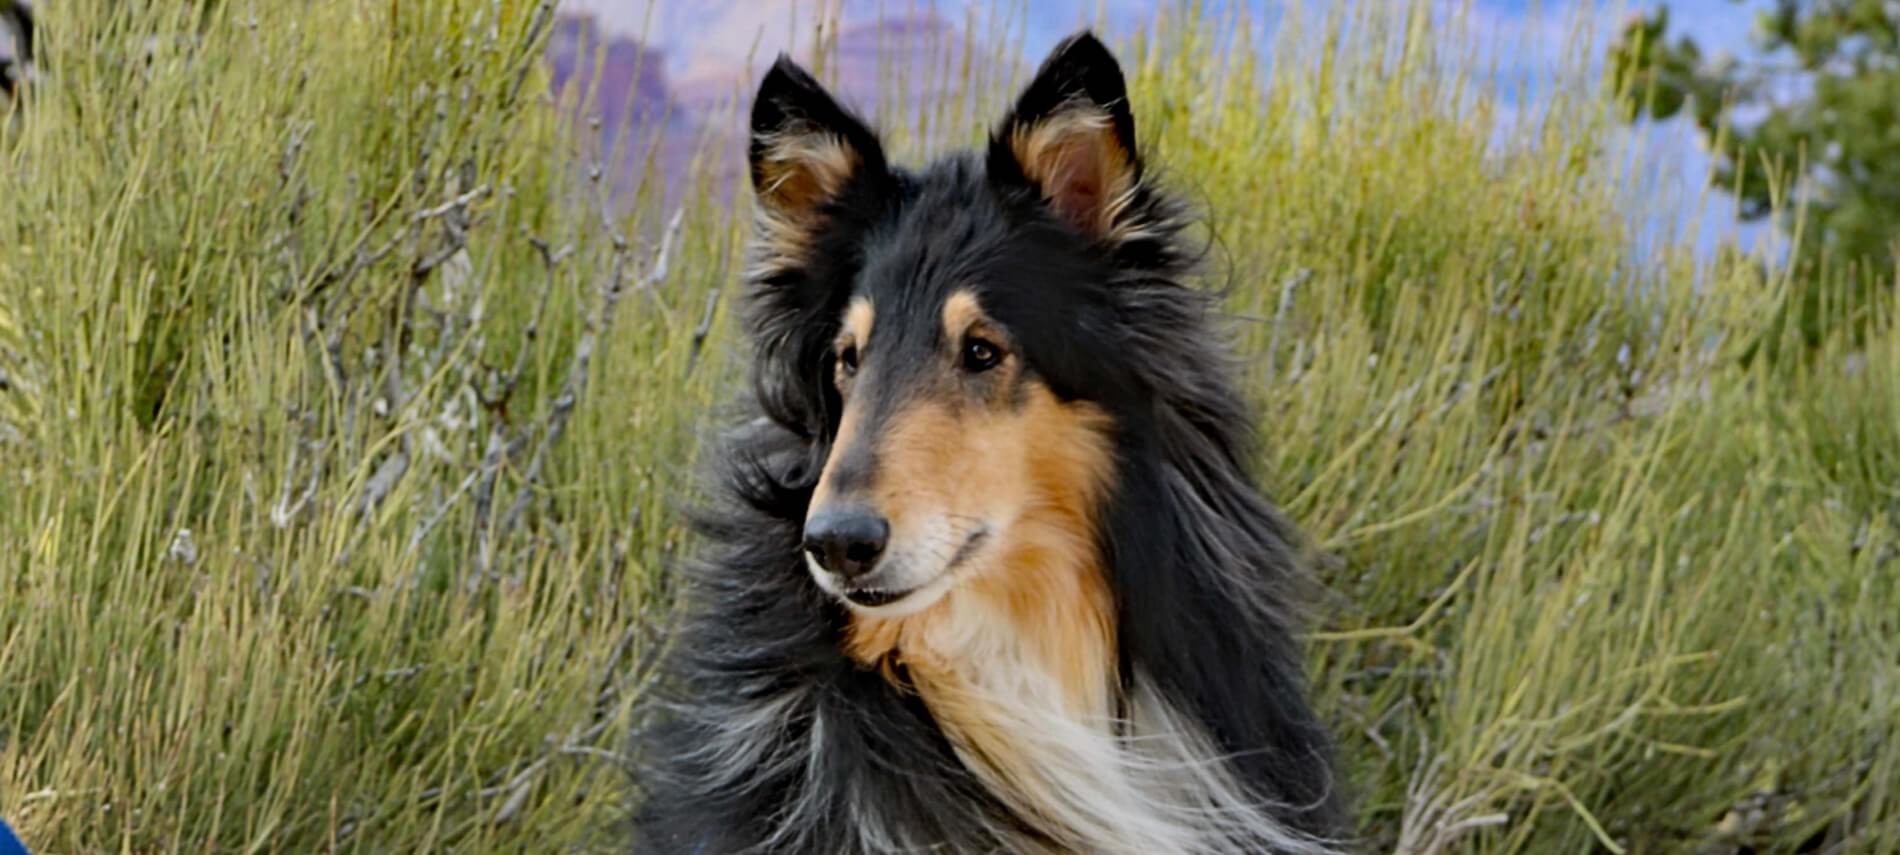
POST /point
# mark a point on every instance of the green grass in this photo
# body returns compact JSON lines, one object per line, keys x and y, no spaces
{"x":311,"y":541}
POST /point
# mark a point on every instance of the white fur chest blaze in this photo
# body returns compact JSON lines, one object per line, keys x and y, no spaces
{"x":1028,"y":698}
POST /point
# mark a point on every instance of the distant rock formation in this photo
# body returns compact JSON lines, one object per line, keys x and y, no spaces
{"x":910,"y":59}
{"x":621,"y":85}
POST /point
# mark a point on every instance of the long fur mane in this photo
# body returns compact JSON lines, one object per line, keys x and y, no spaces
{"x":763,"y":735}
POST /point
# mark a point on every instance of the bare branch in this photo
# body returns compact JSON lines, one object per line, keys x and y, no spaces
{"x":703,"y":330}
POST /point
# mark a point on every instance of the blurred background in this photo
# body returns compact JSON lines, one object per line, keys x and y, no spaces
{"x":356,"y":357}
{"x":680,"y":64}
{"x":677,"y":68}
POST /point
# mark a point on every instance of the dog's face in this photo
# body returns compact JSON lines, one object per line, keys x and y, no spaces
{"x":952,"y":328}
{"x":952,"y":458}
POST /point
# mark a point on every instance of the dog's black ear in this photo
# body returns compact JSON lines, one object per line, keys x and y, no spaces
{"x":806,"y":151}
{"x":1071,"y":138}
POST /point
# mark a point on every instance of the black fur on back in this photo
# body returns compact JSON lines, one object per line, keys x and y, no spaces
{"x":761,"y":735}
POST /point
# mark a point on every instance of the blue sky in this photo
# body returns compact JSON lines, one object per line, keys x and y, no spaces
{"x":1678,"y":160}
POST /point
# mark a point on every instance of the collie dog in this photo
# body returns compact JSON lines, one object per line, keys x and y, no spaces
{"x":989,"y":574}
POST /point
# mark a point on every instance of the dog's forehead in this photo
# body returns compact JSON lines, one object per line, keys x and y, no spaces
{"x":944,"y":236}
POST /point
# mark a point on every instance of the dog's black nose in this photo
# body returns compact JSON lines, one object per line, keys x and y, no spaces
{"x":846,"y":541}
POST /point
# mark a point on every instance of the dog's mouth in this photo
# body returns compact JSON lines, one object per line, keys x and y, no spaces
{"x":873,"y":596}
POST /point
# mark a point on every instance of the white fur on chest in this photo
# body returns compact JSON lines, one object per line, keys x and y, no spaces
{"x":1145,"y":781}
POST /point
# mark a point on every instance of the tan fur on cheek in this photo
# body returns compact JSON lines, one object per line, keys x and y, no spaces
{"x":1052,"y":580}
{"x":1047,"y":467}
{"x":925,"y":456}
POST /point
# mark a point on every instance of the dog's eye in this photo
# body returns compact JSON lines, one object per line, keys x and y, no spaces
{"x":980,"y":355}
{"x":848,"y":361}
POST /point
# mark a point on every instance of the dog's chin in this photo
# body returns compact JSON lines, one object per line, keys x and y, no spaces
{"x":881,"y":596}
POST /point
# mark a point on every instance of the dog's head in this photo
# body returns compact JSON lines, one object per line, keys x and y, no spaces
{"x":948,"y":335}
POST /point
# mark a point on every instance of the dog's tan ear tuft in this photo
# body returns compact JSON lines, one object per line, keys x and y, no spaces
{"x":800,"y":169}
{"x":1081,"y":169}
{"x":806,"y":150}
{"x":1071,"y":138}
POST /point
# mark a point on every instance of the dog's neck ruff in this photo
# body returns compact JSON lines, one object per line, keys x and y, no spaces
{"x":1018,"y":669}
